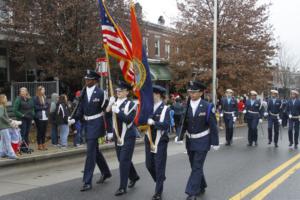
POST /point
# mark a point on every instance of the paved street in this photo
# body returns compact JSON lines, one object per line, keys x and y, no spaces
{"x":229,"y":172}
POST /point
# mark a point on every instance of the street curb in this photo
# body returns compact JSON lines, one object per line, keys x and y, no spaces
{"x":62,"y":154}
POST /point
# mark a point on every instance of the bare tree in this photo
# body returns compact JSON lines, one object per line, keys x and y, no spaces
{"x":287,"y":65}
{"x":245,"y":44}
{"x":64,"y":36}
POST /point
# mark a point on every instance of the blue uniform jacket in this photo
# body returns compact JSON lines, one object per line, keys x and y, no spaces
{"x":203,"y":120}
{"x":231,"y":107}
{"x":97,"y":104}
{"x":163,"y":126}
{"x":128,"y":119}
{"x":256,"y":107}
{"x":274,"y":108}
{"x":294,"y":109}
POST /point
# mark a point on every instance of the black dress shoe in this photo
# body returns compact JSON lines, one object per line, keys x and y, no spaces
{"x":227,"y":144}
{"x":269,"y":142}
{"x":156,"y":197}
{"x":86,"y":187}
{"x":255,"y":144}
{"x":291,"y":144}
{"x":120,"y":192}
{"x":103,"y":178}
{"x":276,"y":145}
{"x":191,"y":198}
{"x":132,"y":182}
{"x":249,"y":145}
{"x":296,"y":146}
{"x":202,"y":191}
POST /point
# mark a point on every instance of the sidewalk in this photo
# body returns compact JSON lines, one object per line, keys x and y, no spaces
{"x":55,"y":152}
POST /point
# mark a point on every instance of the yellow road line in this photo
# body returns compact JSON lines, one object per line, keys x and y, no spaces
{"x":276,"y":183}
{"x":264,"y":179}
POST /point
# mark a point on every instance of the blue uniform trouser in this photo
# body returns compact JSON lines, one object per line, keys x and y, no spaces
{"x":293,"y":125}
{"x":273,"y":121}
{"x":124,"y":154}
{"x":156,"y":164}
{"x":196,"y":180}
{"x":229,"y":128}
{"x":252,"y":129}
{"x":93,"y":156}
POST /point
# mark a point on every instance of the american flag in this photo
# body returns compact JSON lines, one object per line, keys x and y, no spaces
{"x":116,"y":43}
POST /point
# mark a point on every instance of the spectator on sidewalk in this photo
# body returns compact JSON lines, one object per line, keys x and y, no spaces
{"x":79,"y":129}
{"x":16,"y":139}
{"x":178,"y":113}
{"x":23,"y":109}
{"x":63,"y":113}
{"x":54,"y":131}
{"x":5,"y":124}
{"x":41,"y":117}
{"x":241,"y":107}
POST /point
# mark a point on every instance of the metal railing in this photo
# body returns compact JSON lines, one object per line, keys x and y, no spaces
{"x":50,"y":87}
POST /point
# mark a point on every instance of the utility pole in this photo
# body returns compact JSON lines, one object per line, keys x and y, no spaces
{"x":214,"y":78}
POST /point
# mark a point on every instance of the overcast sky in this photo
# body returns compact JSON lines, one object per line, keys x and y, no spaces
{"x":284,"y":16}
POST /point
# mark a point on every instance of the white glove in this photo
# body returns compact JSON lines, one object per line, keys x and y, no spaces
{"x":265,"y":114}
{"x":177,"y":141}
{"x":71,"y":121}
{"x":234,"y":119}
{"x":244,"y":111}
{"x":111,"y":101}
{"x":290,"y":116}
{"x":215,"y":147}
{"x":260,"y":120}
{"x":151,"y":121}
{"x":221,"y":114}
{"x":279,"y":121}
{"x":115,"y":109}
{"x":110,"y":136}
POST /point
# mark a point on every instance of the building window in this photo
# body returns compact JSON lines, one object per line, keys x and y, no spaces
{"x":167,"y":50}
{"x":3,"y":66}
{"x":145,"y":44}
{"x":157,"y":47}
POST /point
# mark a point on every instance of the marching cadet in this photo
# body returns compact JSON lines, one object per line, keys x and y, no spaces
{"x":273,"y":113}
{"x":125,"y":111}
{"x":156,"y":159}
{"x":284,"y":113}
{"x":294,"y":117}
{"x":254,"y":113}
{"x":91,"y":109}
{"x":202,"y":133}
{"x":229,"y":111}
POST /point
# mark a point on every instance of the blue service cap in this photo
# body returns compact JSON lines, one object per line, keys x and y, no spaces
{"x":194,"y":86}
{"x":159,"y":89}
{"x":91,"y":75}
{"x":122,"y":85}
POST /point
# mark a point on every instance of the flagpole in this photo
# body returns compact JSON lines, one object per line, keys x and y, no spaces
{"x":115,"y":124}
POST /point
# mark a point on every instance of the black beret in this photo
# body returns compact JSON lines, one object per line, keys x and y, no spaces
{"x":196,"y":86}
{"x":91,"y":75}
{"x":159,"y":89}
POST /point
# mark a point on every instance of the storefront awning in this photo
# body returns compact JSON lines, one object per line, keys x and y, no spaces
{"x":160,"y":72}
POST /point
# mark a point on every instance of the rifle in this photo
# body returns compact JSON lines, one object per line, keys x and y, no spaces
{"x":181,"y":134}
{"x":82,"y":92}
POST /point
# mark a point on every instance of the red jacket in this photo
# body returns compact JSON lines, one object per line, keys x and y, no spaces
{"x":241,"y":106}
